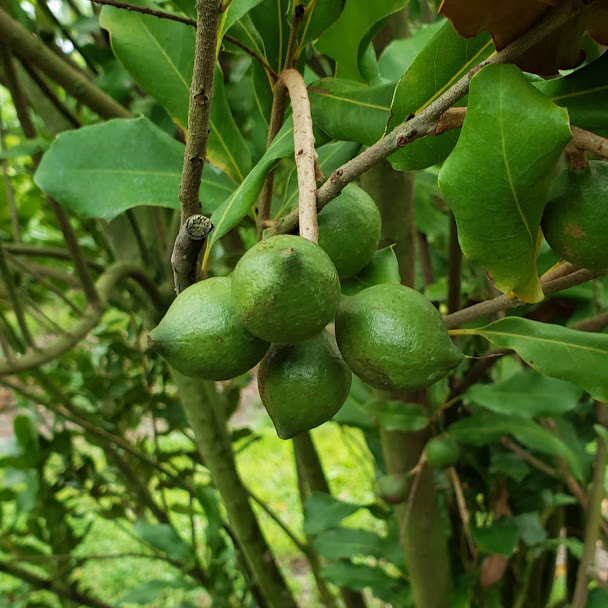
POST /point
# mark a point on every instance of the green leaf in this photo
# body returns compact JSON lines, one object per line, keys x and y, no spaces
{"x":354,"y":411}
{"x":530,"y":528}
{"x":384,"y":268}
{"x":323,"y":511}
{"x":159,"y":54}
{"x":527,"y":394}
{"x":344,"y":40}
{"x":497,"y":178}
{"x":597,"y":598}
{"x":350,"y":111}
{"x":237,"y":205}
{"x":575,"y":356}
{"x":360,"y":576}
{"x":165,"y":538}
{"x":399,"y":55}
{"x":148,"y":592}
{"x":236,"y":10}
{"x":324,"y":14}
{"x":398,"y":416}
{"x":486,"y":427}
{"x":584,"y":92}
{"x":500,"y":537}
{"x":100,"y":170}
{"x":346,"y":542}
{"x":437,"y":67}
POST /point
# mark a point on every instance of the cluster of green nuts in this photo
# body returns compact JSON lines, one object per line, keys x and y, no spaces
{"x":276,"y":305}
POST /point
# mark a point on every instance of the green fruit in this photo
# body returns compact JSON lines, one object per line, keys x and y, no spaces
{"x":349,"y":230}
{"x":201,"y":337}
{"x":303,"y":385}
{"x":442,"y":451}
{"x":394,"y":488}
{"x":575,"y":221}
{"x":393,"y":338}
{"x":285,"y":289}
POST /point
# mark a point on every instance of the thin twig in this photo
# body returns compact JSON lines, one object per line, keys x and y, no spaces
{"x":529,"y":458}
{"x":464,"y":512}
{"x":495,"y":305}
{"x":7,"y":276}
{"x":305,"y":153}
{"x":594,"y":515}
{"x":425,"y":122}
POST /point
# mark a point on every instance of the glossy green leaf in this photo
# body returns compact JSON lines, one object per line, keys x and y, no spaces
{"x":99,"y":171}
{"x":350,"y":111}
{"x":584,"y":92}
{"x":384,"y":268}
{"x":159,"y":54}
{"x":487,"y":427}
{"x":323,"y":14}
{"x":324,"y":511}
{"x":399,"y":55}
{"x":527,"y":394}
{"x":346,"y":542}
{"x":436,"y":68}
{"x":500,"y":537}
{"x":342,"y":41}
{"x":272,"y":19}
{"x":236,"y":10}
{"x":497,"y":178}
{"x":165,"y":538}
{"x":398,"y":416}
{"x":237,"y":205}
{"x":553,"y":350}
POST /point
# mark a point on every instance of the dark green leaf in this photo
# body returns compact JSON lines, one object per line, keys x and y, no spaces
{"x":584,"y":93}
{"x":346,"y":542}
{"x":530,"y":528}
{"x":323,"y":511}
{"x":159,"y":54}
{"x":237,"y":205}
{"x":527,"y":394}
{"x":350,"y":111}
{"x":342,"y":41}
{"x":497,"y":178}
{"x":575,"y":356}
{"x":384,"y":268}
{"x":486,"y":427}
{"x":437,"y":67}
{"x":354,"y":412}
{"x":500,"y":537}
{"x":359,"y":577}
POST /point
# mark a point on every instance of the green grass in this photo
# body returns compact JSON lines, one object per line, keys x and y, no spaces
{"x":267,"y":467}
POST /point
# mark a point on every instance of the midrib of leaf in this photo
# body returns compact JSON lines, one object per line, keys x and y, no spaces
{"x":548,"y":340}
{"x":221,"y":140}
{"x":353,"y":101}
{"x":579,"y":93}
{"x":280,"y":35}
{"x":187,"y":86}
{"x":508,"y":168}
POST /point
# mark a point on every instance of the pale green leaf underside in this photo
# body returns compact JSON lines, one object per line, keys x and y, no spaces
{"x":567,"y":354}
{"x":497,"y":178}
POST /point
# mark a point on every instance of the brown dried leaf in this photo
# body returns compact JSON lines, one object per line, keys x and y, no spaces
{"x":506,"y":20}
{"x":493,"y":569}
